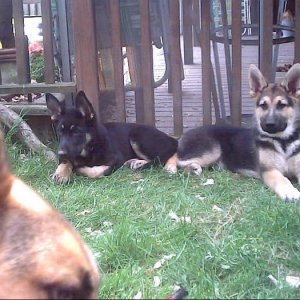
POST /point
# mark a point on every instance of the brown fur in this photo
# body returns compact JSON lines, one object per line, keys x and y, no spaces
{"x":41,"y":255}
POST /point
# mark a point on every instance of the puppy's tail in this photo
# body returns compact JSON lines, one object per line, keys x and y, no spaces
{"x":6,"y":178}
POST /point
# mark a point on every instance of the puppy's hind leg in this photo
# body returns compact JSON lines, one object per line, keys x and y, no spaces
{"x":135,"y":163}
{"x":191,"y":166}
{"x":141,"y":160}
{"x":171,"y":164}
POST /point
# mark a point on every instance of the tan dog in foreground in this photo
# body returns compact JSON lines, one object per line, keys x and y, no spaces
{"x":41,"y":255}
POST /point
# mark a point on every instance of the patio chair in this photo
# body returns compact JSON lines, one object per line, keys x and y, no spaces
{"x":283,"y":32}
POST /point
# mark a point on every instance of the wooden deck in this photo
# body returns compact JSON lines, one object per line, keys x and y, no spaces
{"x":192,"y":88}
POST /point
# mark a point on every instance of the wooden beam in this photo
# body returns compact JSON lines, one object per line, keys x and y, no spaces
{"x":266,"y":38}
{"x":62,"y":87}
{"x":147,"y":64}
{"x":22,"y":56}
{"x":86,"y":58}
{"x":206,"y":63}
{"x":176,"y":63}
{"x":236,"y":92}
{"x":187,"y":6}
{"x":196,"y":21}
{"x":117,"y":60}
{"x":48,"y":41}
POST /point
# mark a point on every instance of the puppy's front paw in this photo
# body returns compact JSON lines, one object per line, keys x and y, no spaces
{"x":60,"y":178}
{"x":135,"y":163}
{"x":288,"y":193}
{"x":62,"y":173}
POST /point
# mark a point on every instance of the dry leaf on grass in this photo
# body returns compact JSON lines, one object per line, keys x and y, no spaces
{"x":293,"y":281}
{"x":156,"y":281}
{"x":217,"y":208}
{"x":84,"y":212}
{"x":165,"y":258}
{"x":209,"y":181}
{"x":177,"y":219}
{"x":138,"y":295}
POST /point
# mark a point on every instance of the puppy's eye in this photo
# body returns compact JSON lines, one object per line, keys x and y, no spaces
{"x":281,"y":105}
{"x":57,"y":292}
{"x":263,"y":105}
{"x":72,"y":127}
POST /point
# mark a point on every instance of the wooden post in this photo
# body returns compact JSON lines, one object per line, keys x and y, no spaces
{"x":117,"y":60}
{"x":86,"y":58}
{"x":175,"y":57}
{"x":236,"y":101}
{"x":266,"y":38}
{"x":22,"y":55}
{"x":206,"y":64}
{"x":187,"y":6}
{"x":147,"y":64}
{"x":48,"y":41}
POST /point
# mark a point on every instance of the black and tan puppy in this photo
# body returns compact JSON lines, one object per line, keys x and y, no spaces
{"x":93,"y":149}
{"x":270,"y":150}
{"x":41,"y":255}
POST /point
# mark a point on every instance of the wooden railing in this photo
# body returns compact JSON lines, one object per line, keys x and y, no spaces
{"x":21,"y":55}
{"x":197,"y":29}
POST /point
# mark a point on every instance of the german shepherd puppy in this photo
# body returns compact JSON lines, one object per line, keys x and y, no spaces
{"x":270,"y":150}
{"x":41,"y":255}
{"x":93,"y":149}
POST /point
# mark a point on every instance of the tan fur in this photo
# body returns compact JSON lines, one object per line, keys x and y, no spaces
{"x":138,"y":152}
{"x":63,"y":172}
{"x":171,"y":164}
{"x":41,"y":255}
{"x":195,"y":165}
{"x":278,"y":164}
{"x":280,"y":184}
{"x":93,"y":172}
{"x":135,"y":163}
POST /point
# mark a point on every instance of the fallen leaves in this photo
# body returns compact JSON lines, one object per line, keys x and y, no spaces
{"x":165,"y":258}
{"x":209,"y":181}
{"x":290,"y":280}
{"x":173,"y":216}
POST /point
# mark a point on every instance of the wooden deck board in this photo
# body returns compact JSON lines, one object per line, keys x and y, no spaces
{"x":192,"y":90}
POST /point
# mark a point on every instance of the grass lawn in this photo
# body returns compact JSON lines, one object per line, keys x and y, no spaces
{"x":236,"y":232}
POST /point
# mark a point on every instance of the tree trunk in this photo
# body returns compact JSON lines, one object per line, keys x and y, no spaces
{"x":24,"y":132}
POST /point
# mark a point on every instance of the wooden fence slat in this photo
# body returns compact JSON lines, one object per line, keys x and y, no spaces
{"x":48,"y":41}
{"x":117,"y":60}
{"x":176,"y":63}
{"x":61,"y":87}
{"x":265,"y":38}
{"x":86,"y":58}
{"x":196,"y":21}
{"x":206,"y":64}
{"x":236,"y":89}
{"x":147,"y":64}
{"x":22,"y":56}
{"x":64,"y":33}
{"x":187,"y":6}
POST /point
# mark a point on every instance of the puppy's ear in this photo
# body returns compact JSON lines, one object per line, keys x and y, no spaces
{"x":84,"y":106}
{"x":55,"y":106}
{"x":291,"y":81}
{"x":257,"y":81}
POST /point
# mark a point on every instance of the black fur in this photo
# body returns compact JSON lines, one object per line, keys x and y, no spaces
{"x":85,"y":142}
{"x":237,"y":146}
